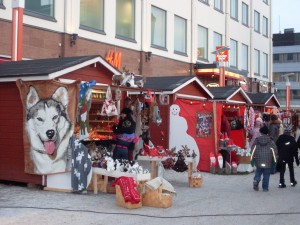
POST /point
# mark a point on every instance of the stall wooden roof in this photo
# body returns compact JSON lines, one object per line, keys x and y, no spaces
{"x":46,"y":69}
{"x":230,"y":94}
{"x":173,"y":84}
{"x":264,"y":99}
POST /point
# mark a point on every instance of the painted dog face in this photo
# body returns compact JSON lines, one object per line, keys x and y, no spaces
{"x":46,"y":120}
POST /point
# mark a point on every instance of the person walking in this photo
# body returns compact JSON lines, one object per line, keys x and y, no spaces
{"x":287,"y":151}
{"x":264,"y":154}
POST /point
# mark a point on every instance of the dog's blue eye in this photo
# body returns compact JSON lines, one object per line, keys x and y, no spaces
{"x":54,"y":117}
{"x":40,"y":119}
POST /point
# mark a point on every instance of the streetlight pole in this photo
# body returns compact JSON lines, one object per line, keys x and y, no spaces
{"x":288,"y":91}
{"x":221,"y":58}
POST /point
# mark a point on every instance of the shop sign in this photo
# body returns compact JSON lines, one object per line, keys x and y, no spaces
{"x":221,"y":56}
{"x":114,"y":58}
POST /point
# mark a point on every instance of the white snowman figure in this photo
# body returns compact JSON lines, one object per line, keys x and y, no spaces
{"x":179,"y":136}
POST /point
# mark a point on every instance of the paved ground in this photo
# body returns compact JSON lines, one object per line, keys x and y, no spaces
{"x":222,"y":200}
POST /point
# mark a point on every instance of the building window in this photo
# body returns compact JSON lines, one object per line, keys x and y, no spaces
{"x":264,"y":65}
{"x":40,"y":8}
{"x":1,"y":5}
{"x":180,"y":35}
{"x":256,"y":62}
{"x":158,"y":27}
{"x":205,"y":1}
{"x":234,"y":9}
{"x":265,"y":30}
{"x":244,"y":57}
{"x":202,"y":43}
{"x":219,"y":5}
{"x":233,"y":53}
{"x":266,"y":1}
{"x":290,"y":57}
{"x":92,"y":14}
{"x":245,"y":14}
{"x":275,"y":57}
{"x":217,"y":40}
{"x":256,"y":21}
{"x":125,"y":19}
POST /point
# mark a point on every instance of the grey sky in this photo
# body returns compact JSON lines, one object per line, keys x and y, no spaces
{"x":285,"y":15}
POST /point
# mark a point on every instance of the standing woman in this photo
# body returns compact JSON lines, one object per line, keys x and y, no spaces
{"x":125,"y":136}
{"x":255,"y":131}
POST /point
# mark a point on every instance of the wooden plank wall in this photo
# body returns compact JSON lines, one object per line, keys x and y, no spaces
{"x":11,"y":136}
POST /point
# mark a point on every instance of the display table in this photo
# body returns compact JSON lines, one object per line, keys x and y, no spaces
{"x":97,"y":172}
{"x":154,"y":167}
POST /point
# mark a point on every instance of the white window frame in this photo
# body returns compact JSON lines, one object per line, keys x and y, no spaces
{"x":160,"y":40}
{"x":202,"y":37}
{"x":233,"y":53}
{"x":180,"y":35}
{"x":93,"y":17}
{"x":245,"y":14}
{"x":218,"y":5}
{"x":265,"y":26}
{"x":256,"y":21}
{"x":256,"y":62}
{"x":124,"y":13}
{"x":264,"y":65}
{"x":245,"y":57}
{"x":234,"y":12}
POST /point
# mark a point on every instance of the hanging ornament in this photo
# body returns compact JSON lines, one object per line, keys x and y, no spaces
{"x":148,"y":96}
{"x":118,"y":94}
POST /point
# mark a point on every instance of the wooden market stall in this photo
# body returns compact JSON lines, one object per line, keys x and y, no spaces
{"x":187,"y":116}
{"x":264,"y":104}
{"x":231,"y":102}
{"x":14,"y":160}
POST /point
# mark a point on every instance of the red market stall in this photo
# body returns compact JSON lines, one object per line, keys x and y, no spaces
{"x":14,"y":160}
{"x":231,"y":102}
{"x":187,"y":116}
{"x":265,"y":104}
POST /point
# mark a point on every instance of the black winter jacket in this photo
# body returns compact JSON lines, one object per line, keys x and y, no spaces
{"x":287,"y":148}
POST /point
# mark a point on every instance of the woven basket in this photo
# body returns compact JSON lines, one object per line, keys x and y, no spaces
{"x":195,"y":181}
{"x":121,"y":202}
{"x":156,"y":198}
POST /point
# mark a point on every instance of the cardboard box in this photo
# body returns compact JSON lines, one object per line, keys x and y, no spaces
{"x":243,"y":159}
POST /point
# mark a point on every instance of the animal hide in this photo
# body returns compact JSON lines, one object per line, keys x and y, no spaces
{"x":49,"y":115}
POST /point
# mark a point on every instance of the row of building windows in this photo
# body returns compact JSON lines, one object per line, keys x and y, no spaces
{"x":260,"y":59}
{"x":281,"y":95}
{"x":92,"y":19}
{"x":286,"y":57}
{"x":234,"y":14}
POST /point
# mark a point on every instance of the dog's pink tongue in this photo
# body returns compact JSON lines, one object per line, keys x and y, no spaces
{"x":49,"y":147}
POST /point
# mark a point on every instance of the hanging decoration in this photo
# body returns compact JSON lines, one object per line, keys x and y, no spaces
{"x":109,"y":107}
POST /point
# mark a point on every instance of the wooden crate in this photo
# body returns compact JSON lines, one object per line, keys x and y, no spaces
{"x":243,"y":159}
{"x":121,"y":202}
{"x":195,"y":181}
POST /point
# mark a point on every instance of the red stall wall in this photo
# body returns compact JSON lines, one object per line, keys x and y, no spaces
{"x":189,"y":110}
{"x":11,"y":138}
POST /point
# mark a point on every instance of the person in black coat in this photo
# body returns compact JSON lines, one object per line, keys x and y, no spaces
{"x":287,"y":151}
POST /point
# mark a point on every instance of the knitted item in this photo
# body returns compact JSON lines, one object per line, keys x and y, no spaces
{"x":128,"y":189}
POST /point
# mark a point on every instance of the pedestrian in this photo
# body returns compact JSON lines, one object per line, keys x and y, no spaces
{"x":287,"y":151}
{"x":254,"y":132}
{"x":264,"y":154}
{"x":274,"y":127}
{"x":125,"y":136}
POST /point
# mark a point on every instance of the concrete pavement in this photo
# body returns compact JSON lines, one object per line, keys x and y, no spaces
{"x":222,"y":200}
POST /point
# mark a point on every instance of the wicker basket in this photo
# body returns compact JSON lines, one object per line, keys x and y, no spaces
{"x":121,"y":202}
{"x":156,"y":198}
{"x":195,"y":181}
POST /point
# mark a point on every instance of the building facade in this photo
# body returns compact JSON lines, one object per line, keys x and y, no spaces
{"x":152,"y":37}
{"x":286,"y":66}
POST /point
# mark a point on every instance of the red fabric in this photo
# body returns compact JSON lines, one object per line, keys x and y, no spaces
{"x":205,"y":144}
{"x":128,"y":189}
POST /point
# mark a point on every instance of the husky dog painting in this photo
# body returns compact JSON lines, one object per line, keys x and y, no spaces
{"x":49,"y":130}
